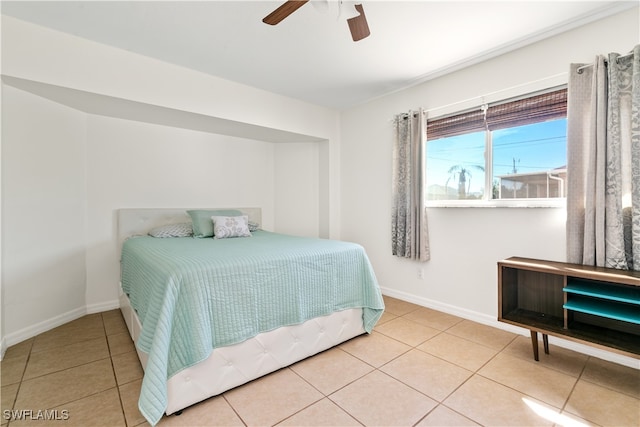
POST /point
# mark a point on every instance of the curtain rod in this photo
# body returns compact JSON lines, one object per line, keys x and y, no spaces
{"x":579,"y":69}
{"x":405,"y":116}
{"x":477,"y":101}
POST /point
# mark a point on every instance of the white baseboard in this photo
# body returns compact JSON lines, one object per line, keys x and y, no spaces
{"x":44,"y":326}
{"x":3,"y":347}
{"x":104,"y":306}
{"x":493,"y":321}
{"x":54,"y":322}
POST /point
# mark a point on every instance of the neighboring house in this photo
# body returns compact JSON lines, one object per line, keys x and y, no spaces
{"x":544,"y":184}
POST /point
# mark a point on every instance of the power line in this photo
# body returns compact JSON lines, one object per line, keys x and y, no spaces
{"x":524,"y":143}
{"x":531,"y":143}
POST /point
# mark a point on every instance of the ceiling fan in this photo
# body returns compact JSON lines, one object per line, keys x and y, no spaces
{"x":357,"y":25}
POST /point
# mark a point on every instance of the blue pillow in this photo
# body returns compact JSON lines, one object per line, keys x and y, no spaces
{"x":202,"y":223}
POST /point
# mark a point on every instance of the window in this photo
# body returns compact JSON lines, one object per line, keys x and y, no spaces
{"x":509,"y":150}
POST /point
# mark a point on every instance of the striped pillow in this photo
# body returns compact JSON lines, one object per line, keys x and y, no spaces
{"x":183,"y":229}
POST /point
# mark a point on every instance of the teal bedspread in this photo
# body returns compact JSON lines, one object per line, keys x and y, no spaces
{"x":193,"y":295}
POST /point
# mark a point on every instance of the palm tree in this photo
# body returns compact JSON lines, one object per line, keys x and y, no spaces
{"x":461,"y":174}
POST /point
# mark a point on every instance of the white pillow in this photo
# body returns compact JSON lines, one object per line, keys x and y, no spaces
{"x":183,"y":229}
{"x":230,"y":226}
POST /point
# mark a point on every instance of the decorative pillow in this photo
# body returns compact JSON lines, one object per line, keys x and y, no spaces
{"x":230,"y":226}
{"x":183,"y":229}
{"x":253,"y":226}
{"x":202,"y":224}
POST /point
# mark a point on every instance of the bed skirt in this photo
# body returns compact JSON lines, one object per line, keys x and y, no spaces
{"x":231,"y":366}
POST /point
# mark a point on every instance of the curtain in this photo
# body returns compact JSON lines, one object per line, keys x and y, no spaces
{"x":409,"y":233}
{"x":603,"y":162}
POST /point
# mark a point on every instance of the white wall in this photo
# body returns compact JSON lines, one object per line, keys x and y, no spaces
{"x":70,"y":170}
{"x":298,"y":189}
{"x":2,"y":312}
{"x":466,"y":242}
{"x":43,"y":210}
{"x":45,"y":56}
{"x":133,"y":164}
{"x":37,"y":53}
{"x":93,"y":165}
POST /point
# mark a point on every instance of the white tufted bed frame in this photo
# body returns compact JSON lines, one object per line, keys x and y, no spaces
{"x":229,"y":367}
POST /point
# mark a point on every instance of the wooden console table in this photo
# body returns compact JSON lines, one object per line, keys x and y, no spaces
{"x":593,"y":305}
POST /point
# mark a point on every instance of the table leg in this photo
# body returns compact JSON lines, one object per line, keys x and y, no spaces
{"x":534,"y":343}
{"x":545,"y":341}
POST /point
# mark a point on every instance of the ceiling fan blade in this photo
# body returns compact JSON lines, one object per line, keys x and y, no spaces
{"x":285,"y":9}
{"x":358,"y":25}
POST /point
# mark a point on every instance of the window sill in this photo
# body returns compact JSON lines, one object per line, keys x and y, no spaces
{"x":503,"y":203}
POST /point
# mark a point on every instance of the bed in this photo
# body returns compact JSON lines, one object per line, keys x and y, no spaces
{"x":208,"y":314}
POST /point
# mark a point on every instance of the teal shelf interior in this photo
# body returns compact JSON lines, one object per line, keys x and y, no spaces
{"x":603,"y":290}
{"x":609,"y":309}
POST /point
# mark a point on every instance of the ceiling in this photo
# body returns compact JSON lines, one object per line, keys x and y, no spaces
{"x":310,"y":55}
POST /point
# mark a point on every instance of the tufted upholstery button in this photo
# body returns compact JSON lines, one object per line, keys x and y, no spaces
{"x":289,"y":345}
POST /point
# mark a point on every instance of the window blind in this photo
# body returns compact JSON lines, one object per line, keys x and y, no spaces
{"x":525,"y":111}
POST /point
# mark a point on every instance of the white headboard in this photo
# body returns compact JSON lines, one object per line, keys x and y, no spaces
{"x":138,"y":221}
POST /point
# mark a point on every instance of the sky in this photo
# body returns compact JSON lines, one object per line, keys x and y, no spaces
{"x":523,"y":149}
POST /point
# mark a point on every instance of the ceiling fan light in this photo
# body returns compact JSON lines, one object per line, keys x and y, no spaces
{"x":348,"y":10}
{"x":321,"y":5}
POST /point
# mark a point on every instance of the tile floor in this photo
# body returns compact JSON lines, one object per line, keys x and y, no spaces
{"x":419,"y":367}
